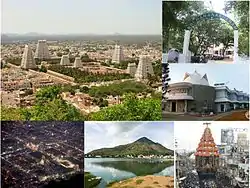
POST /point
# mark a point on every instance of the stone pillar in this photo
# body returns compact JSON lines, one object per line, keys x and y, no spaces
{"x":236,"y":37}
{"x":185,"y":105}
{"x":186,"y":42}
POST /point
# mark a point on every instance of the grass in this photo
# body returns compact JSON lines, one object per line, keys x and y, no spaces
{"x":139,"y":181}
{"x":90,"y":184}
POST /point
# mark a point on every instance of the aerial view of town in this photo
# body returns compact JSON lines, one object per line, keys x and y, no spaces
{"x":129,"y":155}
{"x":41,"y":154}
{"x":216,"y":156}
{"x":84,"y":73}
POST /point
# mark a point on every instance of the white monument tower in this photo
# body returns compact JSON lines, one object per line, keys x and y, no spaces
{"x":131,"y":69}
{"x":118,"y":55}
{"x":28,"y":61}
{"x":42,"y":50}
{"x":77,"y":62}
{"x":144,"y":68}
{"x":65,"y":60}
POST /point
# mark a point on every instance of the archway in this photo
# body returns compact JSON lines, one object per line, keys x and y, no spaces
{"x":186,"y":56}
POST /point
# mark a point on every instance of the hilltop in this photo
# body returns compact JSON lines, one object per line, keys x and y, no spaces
{"x":142,"y":146}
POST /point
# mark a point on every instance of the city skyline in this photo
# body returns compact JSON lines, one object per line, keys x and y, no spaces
{"x":196,"y":129}
{"x":110,"y":134}
{"x":109,"y":17}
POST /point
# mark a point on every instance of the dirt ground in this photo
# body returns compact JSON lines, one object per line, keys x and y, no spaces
{"x":149,"y":181}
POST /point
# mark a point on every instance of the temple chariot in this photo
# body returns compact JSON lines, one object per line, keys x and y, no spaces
{"x":207,"y":156}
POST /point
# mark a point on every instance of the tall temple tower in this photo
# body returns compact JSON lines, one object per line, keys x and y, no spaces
{"x":144,"y":68}
{"x":118,"y":55}
{"x":207,"y":155}
{"x":77,"y":62}
{"x":42,"y":50}
{"x":28,"y":61}
{"x":65,"y":60}
{"x":131,"y":69}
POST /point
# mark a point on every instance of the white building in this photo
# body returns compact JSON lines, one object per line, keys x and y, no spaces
{"x":28,"y":61}
{"x":227,"y":99}
{"x":65,"y":60}
{"x":144,"y":68}
{"x":118,"y":55}
{"x":42,"y":50}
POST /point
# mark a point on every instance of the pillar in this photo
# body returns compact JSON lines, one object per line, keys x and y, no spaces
{"x":185,"y":105}
{"x":236,"y":37}
{"x":186,"y":42}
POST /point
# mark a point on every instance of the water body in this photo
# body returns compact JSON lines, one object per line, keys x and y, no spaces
{"x":112,"y":169}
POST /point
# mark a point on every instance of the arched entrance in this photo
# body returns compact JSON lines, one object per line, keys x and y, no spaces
{"x":186,"y":56}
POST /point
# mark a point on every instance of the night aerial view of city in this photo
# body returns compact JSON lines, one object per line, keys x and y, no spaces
{"x":41,"y":154}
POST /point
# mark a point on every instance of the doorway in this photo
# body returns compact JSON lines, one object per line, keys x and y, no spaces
{"x":173,"y":107}
{"x":222,"y":108}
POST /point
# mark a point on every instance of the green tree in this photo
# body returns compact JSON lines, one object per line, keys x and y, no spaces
{"x":43,"y":69}
{"x":132,"y":109}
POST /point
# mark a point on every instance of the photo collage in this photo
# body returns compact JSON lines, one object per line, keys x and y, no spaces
{"x":125,"y":94}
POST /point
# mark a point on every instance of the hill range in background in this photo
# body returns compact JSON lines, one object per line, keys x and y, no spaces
{"x":142,"y":146}
{"x":13,"y":37}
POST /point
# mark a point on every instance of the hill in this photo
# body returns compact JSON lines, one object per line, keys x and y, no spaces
{"x":142,"y":146}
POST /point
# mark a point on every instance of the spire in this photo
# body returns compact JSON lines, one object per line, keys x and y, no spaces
{"x":205,"y":77}
{"x":144,"y":68}
{"x":28,"y":61}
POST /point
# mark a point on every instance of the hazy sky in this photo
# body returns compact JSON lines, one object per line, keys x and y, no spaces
{"x":82,"y":16}
{"x":109,"y":134}
{"x":236,"y":74}
{"x":188,"y":134}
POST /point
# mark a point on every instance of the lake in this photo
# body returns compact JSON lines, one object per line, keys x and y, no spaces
{"x":111,"y":169}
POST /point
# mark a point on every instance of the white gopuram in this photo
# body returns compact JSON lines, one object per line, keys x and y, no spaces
{"x":42,"y":50}
{"x":131,"y":69}
{"x":28,"y":61}
{"x":118,"y":55}
{"x":65,"y":60}
{"x":77,"y":62}
{"x":144,"y":68}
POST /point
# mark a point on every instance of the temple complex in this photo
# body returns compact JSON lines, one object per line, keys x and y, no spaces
{"x":207,"y":154}
{"x":131,"y":69}
{"x":118,"y":55}
{"x":28,"y":61}
{"x":194,"y":94}
{"x":65,"y":60}
{"x":77,"y":62}
{"x":144,"y":68}
{"x":42,"y":51}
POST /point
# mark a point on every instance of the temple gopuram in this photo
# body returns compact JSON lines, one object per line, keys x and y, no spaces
{"x":207,"y":155}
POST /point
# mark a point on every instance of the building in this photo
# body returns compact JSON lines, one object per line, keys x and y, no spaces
{"x":242,"y":141}
{"x":131,"y":69}
{"x":77,"y":62}
{"x":144,"y":68}
{"x":194,"y":94}
{"x":118,"y":55}
{"x":42,"y":50}
{"x":227,"y":99}
{"x":207,"y":155}
{"x":218,"y":51}
{"x":28,"y":61}
{"x":227,"y":136}
{"x":65,"y":60}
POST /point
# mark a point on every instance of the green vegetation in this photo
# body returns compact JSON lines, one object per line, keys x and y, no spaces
{"x":132,"y":109}
{"x":86,"y":76}
{"x":43,"y":69}
{"x":118,"y":89}
{"x":50,"y":106}
{"x":142,"y":146}
{"x":139,"y":181}
{"x":178,"y":16}
{"x":90,"y":180}
{"x":13,"y":114}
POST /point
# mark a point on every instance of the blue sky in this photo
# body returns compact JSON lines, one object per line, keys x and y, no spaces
{"x":82,"y":16}
{"x":109,"y":134}
{"x":188,"y":133}
{"x":236,"y":74}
